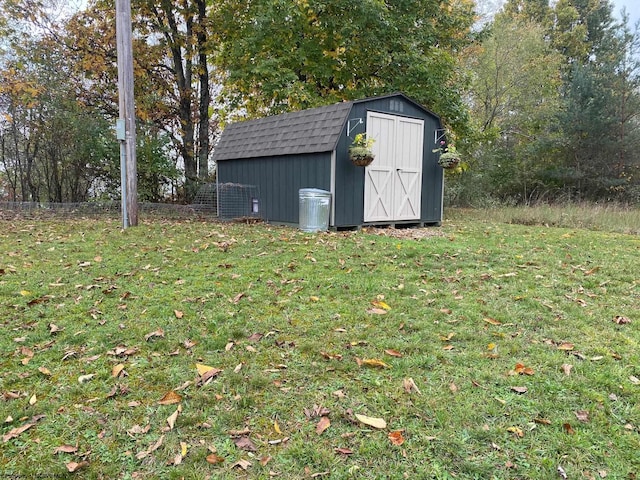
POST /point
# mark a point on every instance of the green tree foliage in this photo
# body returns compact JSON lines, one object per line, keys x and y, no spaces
{"x":556,"y":99}
{"x":282,"y":55}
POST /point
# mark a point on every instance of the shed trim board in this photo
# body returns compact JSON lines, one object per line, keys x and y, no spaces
{"x":309,"y":149}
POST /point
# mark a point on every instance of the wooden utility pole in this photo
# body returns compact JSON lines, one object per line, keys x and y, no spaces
{"x":126,"y":130}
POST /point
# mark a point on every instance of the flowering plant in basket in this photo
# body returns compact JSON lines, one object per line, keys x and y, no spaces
{"x":449,"y":156}
{"x":360,"y":151}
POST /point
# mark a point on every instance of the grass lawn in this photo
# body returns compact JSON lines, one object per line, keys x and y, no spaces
{"x":193,"y":350}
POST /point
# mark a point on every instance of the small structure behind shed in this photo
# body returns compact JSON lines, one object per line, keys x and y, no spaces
{"x":309,"y":149}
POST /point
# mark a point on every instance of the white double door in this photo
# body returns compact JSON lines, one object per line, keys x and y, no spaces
{"x":393,"y":182}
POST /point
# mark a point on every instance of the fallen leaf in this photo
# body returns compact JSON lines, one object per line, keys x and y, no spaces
{"x":380,"y":304}
{"x":620,"y":320}
{"x":374,"y":362}
{"x":228,"y":346}
{"x":453,"y":387}
{"x":237,"y":298}
{"x":521,"y":369}
{"x":566,"y":346}
{"x":178,"y":314}
{"x":567,"y":428}
{"x":517,"y":431}
{"x":65,"y":449}
{"x":157,"y":333}
{"x":343,"y":451}
{"x":74,"y":466}
{"x":242,"y":463}
{"x":519,"y":389}
{"x":322,"y":425}
{"x":45,"y":371}
{"x":393,"y":353}
{"x":562,"y":473}
{"x":53,"y":329}
{"x":138,"y":430}
{"x":153,"y":448}
{"x":202,"y":369}
{"x":170,"y":398}
{"x":377,"y":311}
{"x":117,"y":370}
{"x":410,"y":386}
{"x":171,"y":420}
{"x":492,"y":321}
{"x":245,"y":443}
{"x":339,"y":394}
{"x":85,"y":378}
{"x":33,"y":399}
{"x":255,"y":337}
{"x":448,"y":347}
{"x":276,"y":427}
{"x":313,"y":298}
{"x":634,"y":380}
{"x":582,"y":415}
{"x":214,"y":459}
{"x":542,"y":421}
{"x":372,"y":421}
{"x":446,"y":338}
{"x":566,"y":368}
{"x":14,"y":432}
{"x":265,"y":460}
{"x":396,"y":437}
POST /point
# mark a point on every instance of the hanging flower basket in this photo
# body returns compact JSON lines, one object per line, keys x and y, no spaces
{"x":449,"y":159}
{"x":360,"y":160}
{"x":360,"y":152}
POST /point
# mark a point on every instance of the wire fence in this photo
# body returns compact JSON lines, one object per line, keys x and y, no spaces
{"x":224,"y":202}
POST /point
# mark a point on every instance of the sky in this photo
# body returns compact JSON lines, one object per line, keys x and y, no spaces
{"x":632,"y":6}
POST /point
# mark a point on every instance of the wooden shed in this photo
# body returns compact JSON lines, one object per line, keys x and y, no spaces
{"x":284,"y":153}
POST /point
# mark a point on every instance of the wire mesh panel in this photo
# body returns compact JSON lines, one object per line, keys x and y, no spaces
{"x":238,"y":201}
{"x":206,"y":199}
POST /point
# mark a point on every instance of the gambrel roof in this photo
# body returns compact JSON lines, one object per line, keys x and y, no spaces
{"x":307,"y":131}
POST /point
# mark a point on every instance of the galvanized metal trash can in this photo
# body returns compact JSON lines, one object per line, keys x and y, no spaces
{"x":315,"y":208}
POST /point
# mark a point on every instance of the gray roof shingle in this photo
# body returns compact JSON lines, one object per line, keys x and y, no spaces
{"x":307,"y":131}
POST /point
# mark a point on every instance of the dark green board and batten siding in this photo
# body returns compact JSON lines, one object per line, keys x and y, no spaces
{"x":284,"y":153}
{"x":278,"y":180}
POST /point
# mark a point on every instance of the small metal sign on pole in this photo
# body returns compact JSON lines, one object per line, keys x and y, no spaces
{"x":126,"y":125}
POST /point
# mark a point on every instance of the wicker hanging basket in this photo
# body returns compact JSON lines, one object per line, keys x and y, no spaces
{"x":361,"y":160}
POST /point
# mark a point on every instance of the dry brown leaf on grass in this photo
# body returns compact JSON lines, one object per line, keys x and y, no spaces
{"x":156,"y":333}
{"x":117,"y":370}
{"x":371,"y":362}
{"x":566,"y":368}
{"x":396,"y":437}
{"x":343,"y":451}
{"x":245,"y":443}
{"x":376,"y":311}
{"x":214,"y":459}
{"x":582,"y":415}
{"x":14,"y":432}
{"x":521,"y":369}
{"x":151,"y":449}
{"x":492,"y":321}
{"x":170,"y":398}
{"x":242,"y":463}
{"x":410,"y":386}
{"x":374,"y":422}
{"x":322,"y":425}
{"x":393,"y":353}
{"x":75,"y":466}
{"x":171,"y":420}
{"x":620,"y":320}
{"x":517,"y":431}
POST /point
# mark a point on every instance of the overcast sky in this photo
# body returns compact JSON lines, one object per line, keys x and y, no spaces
{"x":632,"y":6}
